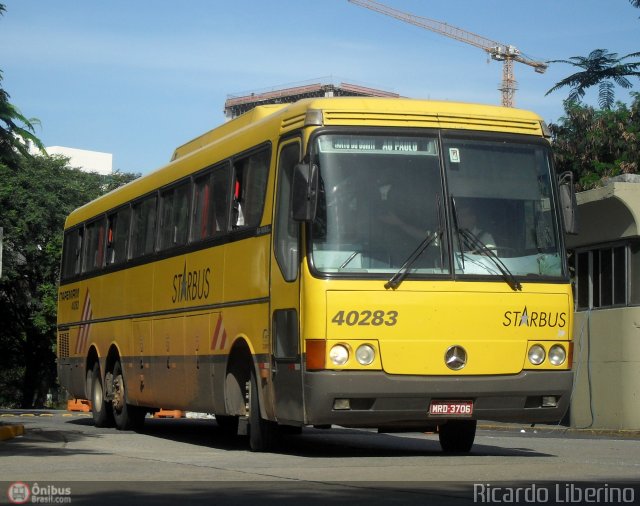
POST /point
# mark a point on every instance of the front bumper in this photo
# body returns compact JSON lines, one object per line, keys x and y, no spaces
{"x":381,"y":400}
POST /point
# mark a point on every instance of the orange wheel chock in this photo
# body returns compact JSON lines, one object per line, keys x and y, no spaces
{"x":164,"y":413}
{"x":82,"y":405}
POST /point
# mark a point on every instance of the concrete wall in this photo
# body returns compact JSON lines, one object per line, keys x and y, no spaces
{"x":607,"y":341}
{"x":613,"y":367}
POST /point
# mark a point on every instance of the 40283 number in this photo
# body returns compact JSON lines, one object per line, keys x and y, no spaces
{"x":366,"y":317}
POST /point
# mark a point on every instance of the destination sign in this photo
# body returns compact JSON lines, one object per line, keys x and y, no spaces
{"x":377,"y":144}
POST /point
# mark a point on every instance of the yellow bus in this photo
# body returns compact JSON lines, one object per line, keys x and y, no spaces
{"x":366,"y":262}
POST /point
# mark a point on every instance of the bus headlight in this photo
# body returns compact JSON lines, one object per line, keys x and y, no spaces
{"x":365,"y":354}
{"x":557,"y":355}
{"x":339,"y":354}
{"x":536,"y":354}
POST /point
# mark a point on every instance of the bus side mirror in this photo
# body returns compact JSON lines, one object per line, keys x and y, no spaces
{"x":304,"y":195}
{"x":568,"y":203}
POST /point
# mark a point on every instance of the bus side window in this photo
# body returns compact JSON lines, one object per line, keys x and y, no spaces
{"x":211,"y":201}
{"x":237,"y":214}
{"x":181,"y":214}
{"x":174,"y":216}
{"x":143,"y":226}
{"x":118,"y":236}
{"x":249,"y":188}
{"x":72,"y":252}
{"x":220,"y":199}
{"x":286,"y":230}
{"x":112,"y":220}
{"x":202,"y":208}
{"x":94,"y":246}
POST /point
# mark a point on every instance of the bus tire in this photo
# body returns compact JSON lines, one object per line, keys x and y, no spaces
{"x":88,"y":384}
{"x":100,"y":408}
{"x":126,"y":416}
{"x":457,"y":436}
{"x":263,"y":434}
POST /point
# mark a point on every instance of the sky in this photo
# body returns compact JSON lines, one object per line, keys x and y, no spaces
{"x":139,"y":78}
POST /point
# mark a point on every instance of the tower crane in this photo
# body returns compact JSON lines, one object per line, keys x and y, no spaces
{"x":505,"y":53}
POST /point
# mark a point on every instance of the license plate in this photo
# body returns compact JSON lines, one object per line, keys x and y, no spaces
{"x":451,"y":408}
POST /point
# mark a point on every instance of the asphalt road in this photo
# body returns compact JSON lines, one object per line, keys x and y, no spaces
{"x":193,"y":462}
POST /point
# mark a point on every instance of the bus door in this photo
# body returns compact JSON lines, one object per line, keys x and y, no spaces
{"x":285,"y":295}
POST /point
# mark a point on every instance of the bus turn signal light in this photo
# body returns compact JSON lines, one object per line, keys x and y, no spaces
{"x":316,"y":353}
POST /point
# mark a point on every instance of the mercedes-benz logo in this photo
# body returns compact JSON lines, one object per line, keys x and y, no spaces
{"x":455,"y":358}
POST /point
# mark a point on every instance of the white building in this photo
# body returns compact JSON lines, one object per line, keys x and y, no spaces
{"x":88,"y":161}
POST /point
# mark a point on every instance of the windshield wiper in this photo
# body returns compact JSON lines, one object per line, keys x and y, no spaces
{"x":477,"y":245}
{"x":399,"y":276}
{"x":456,"y":227}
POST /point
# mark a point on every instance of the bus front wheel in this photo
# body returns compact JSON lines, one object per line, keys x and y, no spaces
{"x":127,"y":417}
{"x":457,"y":436}
{"x":263,"y":433}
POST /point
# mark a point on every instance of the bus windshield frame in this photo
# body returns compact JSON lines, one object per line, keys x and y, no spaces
{"x":385,"y":192}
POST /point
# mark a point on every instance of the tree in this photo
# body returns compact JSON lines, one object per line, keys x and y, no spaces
{"x":34,"y":202}
{"x":598,"y":143}
{"x":595,"y":144}
{"x":16,"y":131}
{"x":601,"y":68}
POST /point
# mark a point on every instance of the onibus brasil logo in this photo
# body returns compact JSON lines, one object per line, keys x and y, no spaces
{"x":20,"y":493}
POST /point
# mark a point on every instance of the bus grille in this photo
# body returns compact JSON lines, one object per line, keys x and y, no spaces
{"x":63,"y":345}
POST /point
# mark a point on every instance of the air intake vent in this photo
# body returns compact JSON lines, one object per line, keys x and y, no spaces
{"x":63,"y":344}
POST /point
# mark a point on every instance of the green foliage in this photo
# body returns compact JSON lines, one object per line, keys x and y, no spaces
{"x":598,"y":143}
{"x":36,"y":195}
{"x":600,"y":68}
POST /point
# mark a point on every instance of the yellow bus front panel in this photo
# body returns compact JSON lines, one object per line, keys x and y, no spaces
{"x":415,"y":328}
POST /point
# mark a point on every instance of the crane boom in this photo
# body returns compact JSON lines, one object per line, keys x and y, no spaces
{"x":496,"y":50}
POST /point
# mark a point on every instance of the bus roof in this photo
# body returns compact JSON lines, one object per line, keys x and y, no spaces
{"x":270,"y":121}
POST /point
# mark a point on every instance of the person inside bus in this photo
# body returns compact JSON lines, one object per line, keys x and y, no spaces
{"x":468,"y":218}
{"x":408,"y":217}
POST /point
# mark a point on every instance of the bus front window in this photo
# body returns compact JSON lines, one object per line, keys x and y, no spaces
{"x":380,"y":197}
{"x":501,"y":194}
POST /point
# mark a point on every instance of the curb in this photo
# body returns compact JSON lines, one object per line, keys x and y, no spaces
{"x":560,"y":429}
{"x":10,"y":431}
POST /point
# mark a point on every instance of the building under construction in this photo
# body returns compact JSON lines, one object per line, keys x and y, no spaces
{"x":234,"y":106}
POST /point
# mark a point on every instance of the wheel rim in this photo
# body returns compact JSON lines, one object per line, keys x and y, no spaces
{"x":118,"y":393}
{"x":97,"y":395}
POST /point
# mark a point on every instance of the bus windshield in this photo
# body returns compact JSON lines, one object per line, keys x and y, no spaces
{"x":502,"y":200}
{"x":382,"y":200}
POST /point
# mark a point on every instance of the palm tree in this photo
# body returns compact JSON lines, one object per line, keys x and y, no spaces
{"x":16,"y":131}
{"x":600,"y":68}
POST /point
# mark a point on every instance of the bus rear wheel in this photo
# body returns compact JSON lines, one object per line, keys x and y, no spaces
{"x":263,"y":434}
{"x":126,"y":416}
{"x":100,"y":408}
{"x":457,"y":436}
